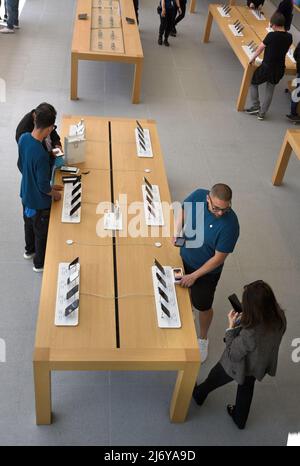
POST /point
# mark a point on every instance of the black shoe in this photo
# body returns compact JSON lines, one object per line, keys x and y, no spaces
{"x":230,"y":410}
{"x":252,"y":110}
{"x":160,"y":40}
{"x":196,"y":397}
{"x":166,"y":43}
{"x":293,"y":117}
{"x":173,"y":34}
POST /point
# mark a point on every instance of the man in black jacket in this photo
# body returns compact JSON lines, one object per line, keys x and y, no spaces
{"x":26,"y":125}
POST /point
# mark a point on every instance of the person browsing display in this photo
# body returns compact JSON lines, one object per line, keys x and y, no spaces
{"x":211,"y":230}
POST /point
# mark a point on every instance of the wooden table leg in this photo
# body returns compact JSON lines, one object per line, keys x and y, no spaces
{"x":137,"y":83}
{"x":182,"y":395}
{"x":74,"y":76}
{"x":192,"y":6}
{"x":282,"y":162}
{"x":207,"y":28}
{"x":42,"y":386}
{"x":246,"y":81}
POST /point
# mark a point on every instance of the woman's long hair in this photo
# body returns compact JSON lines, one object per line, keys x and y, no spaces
{"x":260,"y":307}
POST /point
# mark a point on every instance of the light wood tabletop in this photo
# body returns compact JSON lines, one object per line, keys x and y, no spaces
{"x":118,"y":327}
{"x":111,"y":39}
{"x":291,"y":143}
{"x":254,"y":30}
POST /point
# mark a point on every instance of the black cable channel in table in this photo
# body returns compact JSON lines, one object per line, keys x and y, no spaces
{"x":114,"y":241}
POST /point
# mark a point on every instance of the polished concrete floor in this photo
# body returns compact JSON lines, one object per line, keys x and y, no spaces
{"x":190,"y":89}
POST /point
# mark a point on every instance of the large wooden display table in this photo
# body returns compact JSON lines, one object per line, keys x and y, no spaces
{"x":254,"y":30}
{"x":117,"y":322}
{"x":106,"y":36}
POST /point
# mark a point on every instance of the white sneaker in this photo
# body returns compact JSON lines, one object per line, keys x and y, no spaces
{"x":7,"y":31}
{"x":203,"y":347}
{"x":16,"y":27}
{"x":38,"y":270}
{"x":28,"y":256}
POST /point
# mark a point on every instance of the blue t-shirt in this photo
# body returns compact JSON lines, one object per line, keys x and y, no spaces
{"x":213,"y":234}
{"x":36,"y":174}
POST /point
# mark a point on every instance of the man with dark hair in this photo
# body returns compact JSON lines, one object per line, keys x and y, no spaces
{"x":275,"y":46}
{"x":36,"y":192}
{"x":50,"y":143}
{"x":178,"y":17}
{"x":206,"y":214}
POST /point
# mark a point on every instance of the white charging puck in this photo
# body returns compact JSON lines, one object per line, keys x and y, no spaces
{"x":147,"y":170}
{"x":158,"y":245}
{"x":69,"y":242}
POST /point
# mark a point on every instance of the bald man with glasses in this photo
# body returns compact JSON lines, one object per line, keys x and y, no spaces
{"x":211,"y":230}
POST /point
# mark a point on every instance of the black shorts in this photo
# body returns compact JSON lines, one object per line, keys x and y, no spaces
{"x":203,"y":290}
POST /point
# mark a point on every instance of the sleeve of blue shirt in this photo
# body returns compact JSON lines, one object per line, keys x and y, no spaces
{"x":43,"y":175}
{"x":227,"y":240}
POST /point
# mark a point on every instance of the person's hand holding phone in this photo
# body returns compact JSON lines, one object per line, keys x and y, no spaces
{"x":188,"y":280}
{"x":57,"y":187}
{"x":56,"y":195}
{"x":232,"y":318}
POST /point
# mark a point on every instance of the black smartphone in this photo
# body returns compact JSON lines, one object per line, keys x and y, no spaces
{"x":149,"y":200}
{"x":71,"y":308}
{"x":148,"y":183}
{"x":165,"y":310}
{"x":235,"y":303}
{"x":139,"y":125}
{"x":73,"y":277}
{"x":130,"y":20}
{"x":74,"y":210}
{"x":149,"y":192}
{"x":152,"y":212}
{"x":180,"y":241}
{"x":141,"y":136}
{"x":160,"y":267}
{"x":75,"y":190}
{"x":142,"y":144}
{"x":82,"y":16}
{"x":73,"y":263}
{"x":163,"y":294}
{"x":161,"y":280}
{"x":76,"y":199}
{"x":69,"y":179}
{"x":72,"y":292}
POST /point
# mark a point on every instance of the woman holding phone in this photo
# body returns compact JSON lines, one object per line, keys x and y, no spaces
{"x":252,"y":344}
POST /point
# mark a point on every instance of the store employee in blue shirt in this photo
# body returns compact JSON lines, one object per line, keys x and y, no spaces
{"x":208,"y":216}
{"x":36,"y":192}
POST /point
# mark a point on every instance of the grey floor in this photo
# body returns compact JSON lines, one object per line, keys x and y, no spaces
{"x":190,"y":89}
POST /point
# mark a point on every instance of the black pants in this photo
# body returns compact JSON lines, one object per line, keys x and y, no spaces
{"x":136,"y":9}
{"x":36,"y":232}
{"x":217,"y":378}
{"x":183,"y":10}
{"x":166,"y":22}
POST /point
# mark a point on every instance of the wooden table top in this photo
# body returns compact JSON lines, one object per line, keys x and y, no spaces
{"x":94,"y":339}
{"x":254,"y":30}
{"x":83,"y":42}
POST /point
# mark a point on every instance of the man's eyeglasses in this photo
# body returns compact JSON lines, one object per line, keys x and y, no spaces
{"x":215,"y":208}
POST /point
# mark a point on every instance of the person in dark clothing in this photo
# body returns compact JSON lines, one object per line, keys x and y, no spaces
{"x":178,"y":17}
{"x":26,"y":125}
{"x":275,"y":46}
{"x":136,"y":9}
{"x":252,"y":346}
{"x":36,"y":192}
{"x":286,"y":9}
{"x":295,"y":96}
{"x":255,"y":4}
{"x":167,"y":12}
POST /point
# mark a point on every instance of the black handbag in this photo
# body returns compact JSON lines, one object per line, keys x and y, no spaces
{"x":159,"y":9}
